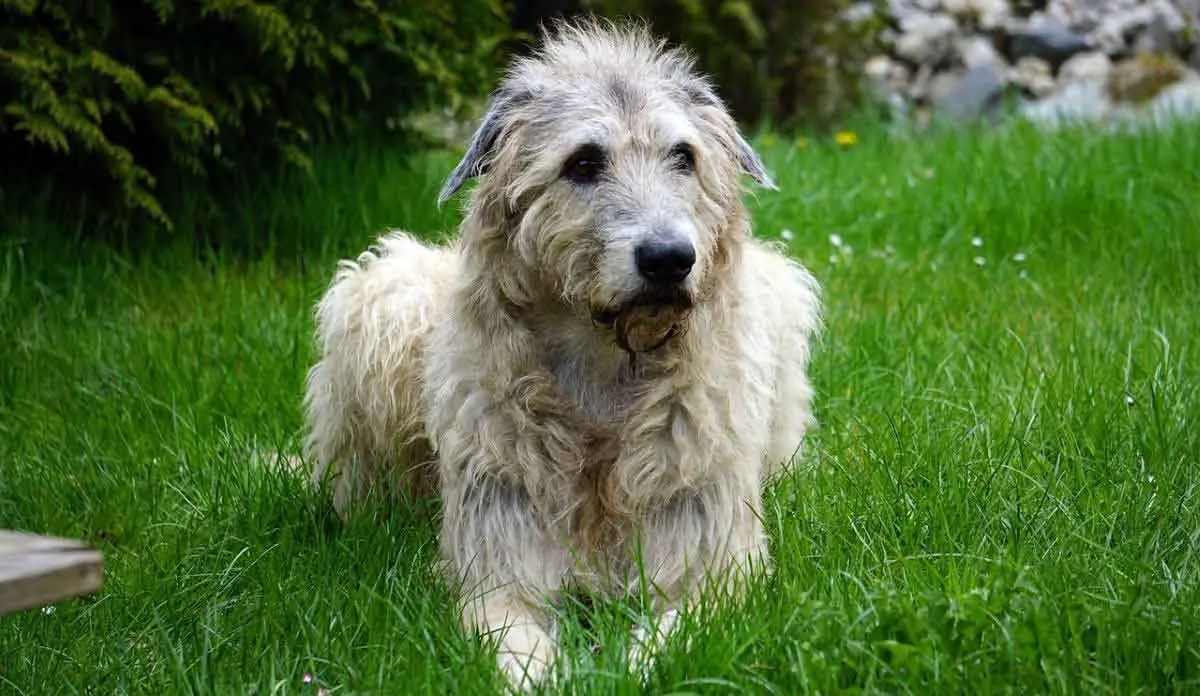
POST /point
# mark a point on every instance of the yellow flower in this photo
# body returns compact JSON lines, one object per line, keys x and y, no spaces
{"x":768,"y":140}
{"x":846,"y":138}
{"x":801,"y":143}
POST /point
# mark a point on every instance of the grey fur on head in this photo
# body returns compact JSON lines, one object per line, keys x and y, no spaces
{"x":475,"y":161}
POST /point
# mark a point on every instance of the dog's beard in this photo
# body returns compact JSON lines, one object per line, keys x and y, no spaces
{"x":648,"y":320}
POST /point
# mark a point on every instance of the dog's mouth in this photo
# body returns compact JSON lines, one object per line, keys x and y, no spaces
{"x":648,"y":320}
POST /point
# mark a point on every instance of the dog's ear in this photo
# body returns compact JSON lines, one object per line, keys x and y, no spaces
{"x":701,"y":93}
{"x":475,"y":161}
{"x":753,"y":165}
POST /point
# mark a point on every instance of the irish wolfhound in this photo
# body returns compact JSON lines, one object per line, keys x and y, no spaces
{"x":601,"y":370}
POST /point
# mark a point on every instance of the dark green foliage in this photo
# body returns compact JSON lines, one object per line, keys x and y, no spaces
{"x":120,"y":95}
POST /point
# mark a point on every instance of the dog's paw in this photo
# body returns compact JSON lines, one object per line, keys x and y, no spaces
{"x":526,"y":657}
{"x":647,"y":640}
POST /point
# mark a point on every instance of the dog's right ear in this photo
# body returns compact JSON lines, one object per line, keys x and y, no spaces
{"x":483,"y":142}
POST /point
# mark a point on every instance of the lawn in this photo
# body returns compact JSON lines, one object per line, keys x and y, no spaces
{"x":1002,"y":498}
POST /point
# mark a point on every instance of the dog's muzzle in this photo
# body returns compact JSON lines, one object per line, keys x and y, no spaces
{"x":649,"y":319}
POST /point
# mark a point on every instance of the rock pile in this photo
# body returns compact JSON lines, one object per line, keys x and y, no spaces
{"x":1098,"y":60}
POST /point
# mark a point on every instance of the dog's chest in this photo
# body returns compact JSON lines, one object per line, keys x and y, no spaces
{"x":598,"y":385}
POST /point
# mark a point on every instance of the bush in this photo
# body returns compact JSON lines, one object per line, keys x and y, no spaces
{"x":117,"y":95}
{"x":778,"y":63}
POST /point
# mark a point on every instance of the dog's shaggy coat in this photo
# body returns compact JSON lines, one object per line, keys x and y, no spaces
{"x":583,"y":426}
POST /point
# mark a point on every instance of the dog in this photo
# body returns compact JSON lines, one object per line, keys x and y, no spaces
{"x":599,"y":374}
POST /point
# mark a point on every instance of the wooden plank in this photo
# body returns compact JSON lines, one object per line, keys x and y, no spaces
{"x":38,"y":570}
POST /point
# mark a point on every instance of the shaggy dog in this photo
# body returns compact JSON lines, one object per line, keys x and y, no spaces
{"x":600,"y":372}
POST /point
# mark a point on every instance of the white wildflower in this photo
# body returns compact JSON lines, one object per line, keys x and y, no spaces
{"x":1019,"y":257}
{"x":836,"y":240}
{"x":979,"y":261}
{"x":786,"y":235}
{"x":976,"y":242}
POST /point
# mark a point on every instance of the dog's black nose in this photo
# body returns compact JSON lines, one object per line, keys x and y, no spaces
{"x":665,"y":261}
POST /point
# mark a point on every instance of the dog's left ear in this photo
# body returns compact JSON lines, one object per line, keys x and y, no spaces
{"x":479,"y":150}
{"x":701,"y":93}
{"x":753,"y":165}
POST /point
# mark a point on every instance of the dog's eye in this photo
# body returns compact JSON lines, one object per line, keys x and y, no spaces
{"x":683,"y":158}
{"x":584,"y":165}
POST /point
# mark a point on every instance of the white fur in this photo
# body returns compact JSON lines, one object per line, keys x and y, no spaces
{"x":563,"y":462}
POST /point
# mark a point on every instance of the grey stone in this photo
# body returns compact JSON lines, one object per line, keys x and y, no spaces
{"x":943,"y":83}
{"x":1164,"y":32}
{"x":1190,"y":10}
{"x":988,"y":13}
{"x":1180,"y":101}
{"x":1141,"y":78}
{"x":977,"y":50}
{"x":1092,"y":66}
{"x":1080,"y":102}
{"x":1049,"y":39}
{"x":900,"y":9}
{"x":977,"y":95}
{"x":919,"y":88}
{"x":1119,"y":28}
{"x":926,"y":39}
{"x":1081,"y":17}
{"x":886,"y":80}
{"x":1033,"y":75}
{"x":858,"y":12}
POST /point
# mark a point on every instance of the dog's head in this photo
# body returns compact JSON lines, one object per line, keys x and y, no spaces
{"x":614,"y":171}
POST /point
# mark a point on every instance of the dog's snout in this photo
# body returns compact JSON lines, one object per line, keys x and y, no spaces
{"x":665,"y":261}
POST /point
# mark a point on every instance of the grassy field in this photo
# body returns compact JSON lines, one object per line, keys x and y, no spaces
{"x":1002,"y":497}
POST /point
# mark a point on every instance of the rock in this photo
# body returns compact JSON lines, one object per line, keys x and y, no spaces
{"x":919,"y":88}
{"x":1079,"y":102}
{"x":887,"y":73}
{"x":887,"y":79}
{"x":858,"y":12}
{"x":1092,"y":66}
{"x":1101,"y":60}
{"x":974,"y":51}
{"x":1164,"y":32}
{"x":926,"y":39}
{"x":943,"y":83}
{"x":1118,"y":28}
{"x":1190,"y":9}
{"x":901,"y":9}
{"x":878,"y":69}
{"x":987,"y":14}
{"x":1048,"y":39}
{"x":977,"y":94}
{"x":1142,"y":78}
{"x":1179,"y":101}
{"x":1033,"y":75}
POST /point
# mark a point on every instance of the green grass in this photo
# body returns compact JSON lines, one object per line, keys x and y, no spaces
{"x":1002,"y":497}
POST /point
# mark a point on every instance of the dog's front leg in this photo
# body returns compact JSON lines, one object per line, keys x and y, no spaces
{"x":510,"y":569}
{"x":705,"y":539}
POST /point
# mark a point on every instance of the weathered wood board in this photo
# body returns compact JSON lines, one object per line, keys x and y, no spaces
{"x":39,"y":570}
